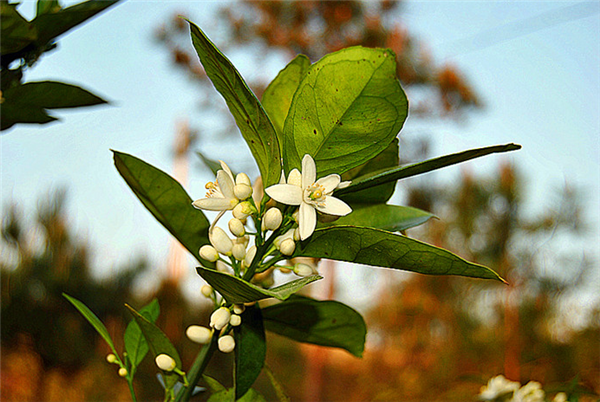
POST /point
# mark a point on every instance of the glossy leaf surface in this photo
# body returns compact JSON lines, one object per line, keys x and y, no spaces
{"x":250,"y":350}
{"x":392,"y":218}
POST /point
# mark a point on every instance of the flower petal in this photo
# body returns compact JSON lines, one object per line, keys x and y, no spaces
{"x":285,"y":193}
{"x":212,"y":204}
{"x":329,"y":182}
{"x":309,"y":171}
{"x":334,"y":206}
{"x":226,"y":184}
{"x":227,"y":170}
{"x":307,"y":218}
{"x":295,"y":178}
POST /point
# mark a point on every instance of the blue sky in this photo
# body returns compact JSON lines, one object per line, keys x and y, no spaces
{"x":535,"y":64}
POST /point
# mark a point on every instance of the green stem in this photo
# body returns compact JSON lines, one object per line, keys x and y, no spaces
{"x":130,"y":383}
{"x":197,"y":368}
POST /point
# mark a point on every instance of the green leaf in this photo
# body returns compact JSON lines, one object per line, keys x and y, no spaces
{"x":228,"y":396}
{"x":50,"y":25}
{"x":26,"y":103}
{"x":326,"y":323}
{"x":166,"y":199}
{"x":213,"y":384}
{"x":135,"y":343}
{"x":277,"y":97}
{"x":250,"y":350}
{"x":348,"y":108}
{"x":92,"y":319}
{"x":213,"y":165}
{"x":47,"y":6}
{"x":251,"y":118}
{"x":392,"y":218}
{"x":236,"y":290}
{"x":384,"y":249}
{"x":16,"y":33}
{"x":402,"y":172}
{"x":277,"y":386}
{"x":159,"y":344}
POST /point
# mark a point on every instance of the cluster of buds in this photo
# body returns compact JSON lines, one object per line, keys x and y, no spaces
{"x":223,"y":320}
{"x":112,"y":359}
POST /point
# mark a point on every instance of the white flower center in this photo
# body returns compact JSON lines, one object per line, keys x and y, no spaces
{"x":214,"y":191}
{"x":315,"y":195}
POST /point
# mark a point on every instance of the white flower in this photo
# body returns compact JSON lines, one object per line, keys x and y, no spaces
{"x":303,"y":269}
{"x":235,"y":320}
{"x":310,"y":195}
{"x":209,"y":253}
{"x":238,"y":308}
{"x":236,"y":227}
{"x":198,"y":334}
{"x":560,"y":397}
{"x":220,"y":241}
{"x":206,"y":290}
{"x":496,"y":387}
{"x":287,"y":247}
{"x":220,"y":195}
{"x":272,"y":219}
{"x":238,"y":251}
{"x":165,"y":362}
{"x":220,"y":318}
{"x":530,"y":392}
{"x":249,"y":256}
{"x":226,"y":344}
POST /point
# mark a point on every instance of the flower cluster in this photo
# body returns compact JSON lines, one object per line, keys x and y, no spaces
{"x":500,"y":389}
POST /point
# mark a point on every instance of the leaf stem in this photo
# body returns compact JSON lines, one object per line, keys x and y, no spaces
{"x":197,"y":369}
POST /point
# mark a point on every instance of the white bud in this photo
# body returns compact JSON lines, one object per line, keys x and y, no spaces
{"x":297,"y":234}
{"x":249,"y":256}
{"x":111,"y":358}
{"x":226,"y":344}
{"x":284,"y":270}
{"x":242,"y":178}
{"x":287,"y":247}
{"x":236,"y":227}
{"x":235,"y":320}
{"x":206,"y":291}
{"x":239,"y":308}
{"x":303,"y":270}
{"x":198,"y":334}
{"x":242,"y":210}
{"x":272,"y":219}
{"x":165,"y":362}
{"x":220,"y":241}
{"x":242,"y":191}
{"x":209,"y":253}
{"x":222,"y":267}
{"x":241,"y":240}
{"x":238,"y":251}
{"x":220,"y":318}
{"x":295,"y":216}
{"x":123,"y":372}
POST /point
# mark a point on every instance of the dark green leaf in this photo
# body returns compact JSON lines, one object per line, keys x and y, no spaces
{"x":92,"y":319}
{"x":135,"y":343}
{"x":326,"y":323}
{"x":228,"y":396}
{"x":348,"y":109}
{"x":384,"y":249}
{"x":47,"y":6}
{"x":392,"y":175}
{"x":236,"y":290}
{"x":16,"y":33}
{"x":277,"y":97}
{"x":159,"y":344}
{"x":166,"y":199}
{"x":250,"y":350}
{"x":251,"y":118}
{"x":213,"y":165}
{"x":392,"y":218}
{"x":214,"y":385}
{"x":277,"y":386}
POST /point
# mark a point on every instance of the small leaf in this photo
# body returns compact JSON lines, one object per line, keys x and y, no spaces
{"x":279,"y":391}
{"x":135,"y":343}
{"x":277,"y":97}
{"x":213,"y":165}
{"x":388,"y":250}
{"x":47,"y":6}
{"x":92,"y":319}
{"x":326,"y":323}
{"x":166,"y":199}
{"x":236,"y":290}
{"x":402,"y":172}
{"x":16,"y":32}
{"x":250,"y":350}
{"x":251,"y":118}
{"x":214,"y":385}
{"x":348,"y":108}
{"x":392,"y":218}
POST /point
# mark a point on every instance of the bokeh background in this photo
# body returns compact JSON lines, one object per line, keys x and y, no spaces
{"x":476,"y":74}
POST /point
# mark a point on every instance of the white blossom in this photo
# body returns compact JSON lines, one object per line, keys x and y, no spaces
{"x":220,"y":318}
{"x":220,"y":195}
{"x":236,"y":227}
{"x":209,"y":253}
{"x":220,"y":241}
{"x":235,"y":320}
{"x":206,"y":290}
{"x":496,"y":387}
{"x":165,"y":362}
{"x":198,"y":334}
{"x":226,"y":344}
{"x":287,"y":247}
{"x":272,"y":219}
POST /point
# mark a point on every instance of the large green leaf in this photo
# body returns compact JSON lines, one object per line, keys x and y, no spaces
{"x":27,"y":103}
{"x":159,"y":344}
{"x":251,"y":118}
{"x":16,"y":33}
{"x":250,"y":350}
{"x":326,"y":323}
{"x":166,"y":199}
{"x":392,"y":218}
{"x":236,"y":290}
{"x":391,"y":175}
{"x":277,"y":97}
{"x":135,"y":342}
{"x":348,"y":108}
{"x":384,"y":249}
{"x":92,"y":319}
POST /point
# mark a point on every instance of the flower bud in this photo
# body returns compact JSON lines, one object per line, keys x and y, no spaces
{"x":222,"y":267}
{"x":287,"y":247}
{"x":220,"y":318}
{"x":238,"y":309}
{"x":242,"y":178}
{"x":238,"y":251}
{"x":243,"y":210}
{"x":209,"y":253}
{"x":123,"y":372}
{"x":236,"y":227}
{"x":272,"y":219}
{"x":206,"y":291}
{"x":165,"y":362}
{"x":220,"y":241}
{"x":111,"y":358}
{"x":242,"y":191}
{"x":226,"y":344}
{"x":235,"y":320}
{"x":284,"y":270}
{"x":303,"y":270}
{"x":198,"y":334}
{"x":249,"y":256}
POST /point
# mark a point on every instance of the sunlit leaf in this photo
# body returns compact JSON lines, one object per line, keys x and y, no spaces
{"x":135,"y":342}
{"x":326,"y":323}
{"x":392,"y":218}
{"x":250,"y":350}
